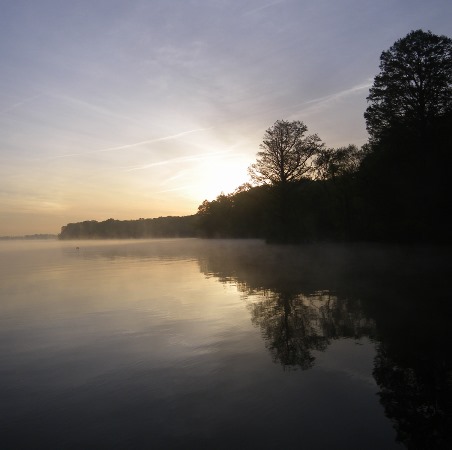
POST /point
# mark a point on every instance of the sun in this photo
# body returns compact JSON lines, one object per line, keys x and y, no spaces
{"x":222,"y":175}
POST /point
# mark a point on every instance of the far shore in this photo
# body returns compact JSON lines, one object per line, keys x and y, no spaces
{"x":29,"y":237}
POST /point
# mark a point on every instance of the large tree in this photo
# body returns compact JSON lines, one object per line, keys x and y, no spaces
{"x":405,"y":177}
{"x":414,"y":85}
{"x":286,"y":154}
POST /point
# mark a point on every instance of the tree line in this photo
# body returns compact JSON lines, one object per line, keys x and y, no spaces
{"x":131,"y":229}
{"x":395,"y":188}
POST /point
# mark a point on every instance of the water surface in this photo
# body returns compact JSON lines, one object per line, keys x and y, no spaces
{"x":223,"y":344}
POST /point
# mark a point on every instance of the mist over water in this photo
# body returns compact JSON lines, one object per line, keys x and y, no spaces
{"x":187,"y":343}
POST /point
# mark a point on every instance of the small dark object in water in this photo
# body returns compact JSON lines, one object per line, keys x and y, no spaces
{"x":77,"y":248}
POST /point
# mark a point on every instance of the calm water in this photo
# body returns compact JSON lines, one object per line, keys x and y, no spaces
{"x":167,"y":344}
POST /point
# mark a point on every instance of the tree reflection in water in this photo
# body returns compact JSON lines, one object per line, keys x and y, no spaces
{"x":302,"y":298}
{"x":294,"y":325}
{"x":413,"y":368}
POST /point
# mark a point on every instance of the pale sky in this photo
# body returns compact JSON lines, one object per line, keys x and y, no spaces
{"x":144,"y":108}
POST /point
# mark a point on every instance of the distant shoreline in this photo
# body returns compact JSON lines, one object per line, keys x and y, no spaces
{"x":29,"y":237}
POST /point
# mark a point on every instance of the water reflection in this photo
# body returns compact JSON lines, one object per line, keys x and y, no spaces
{"x":159,"y":344}
{"x":294,"y":325}
{"x":304,"y":298}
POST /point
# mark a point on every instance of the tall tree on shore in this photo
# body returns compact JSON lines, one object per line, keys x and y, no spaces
{"x":286,"y":157}
{"x":406,"y":175}
{"x":286,"y":154}
{"x":414,"y":85}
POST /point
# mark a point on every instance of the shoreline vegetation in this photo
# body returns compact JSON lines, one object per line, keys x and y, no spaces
{"x":161,"y":227}
{"x":27,"y":237}
{"x":396,"y":188}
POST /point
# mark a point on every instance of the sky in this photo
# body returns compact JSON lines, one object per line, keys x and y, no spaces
{"x":144,"y":108}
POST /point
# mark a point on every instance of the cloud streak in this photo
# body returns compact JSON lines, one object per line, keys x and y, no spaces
{"x":182,"y":159}
{"x":20,"y":103}
{"x":338,"y":95}
{"x":134,"y":144}
{"x":261,"y":8}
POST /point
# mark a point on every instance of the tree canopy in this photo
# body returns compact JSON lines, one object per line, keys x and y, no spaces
{"x":286,"y":153}
{"x":414,"y":85}
{"x":332,"y":163}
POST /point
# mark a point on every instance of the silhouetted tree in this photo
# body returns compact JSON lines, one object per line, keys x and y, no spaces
{"x":338,"y":167}
{"x":332,"y":163}
{"x":286,"y":153}
{"x":414,"y":85}
{"x":215,"y":217}
{"x":286,"y":158}
{"x":241,"y":214}
{"x":405,"y":178}
{"x":171,"y":226}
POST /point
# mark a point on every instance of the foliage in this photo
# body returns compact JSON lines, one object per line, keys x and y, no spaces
{"x":414,"y":85}
{"x":241,"y":214}
{"x":332,"y":163}
{"x":404,"y":179}
{"x":286,"y":154}
{"x":311,"y":213}
{"x":142,"y":228}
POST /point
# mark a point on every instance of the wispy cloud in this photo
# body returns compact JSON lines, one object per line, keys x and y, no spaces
{"x":89,"y":106}
{"x":134,"y":144}
{"x":20,"y":103}
{"x":180,"y":188}
{"x":262,"y":7}
{"x":339,"y":95}
{"x":322,"y":104}
{"x":169,"y":180}
{"x":182,"y":159}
